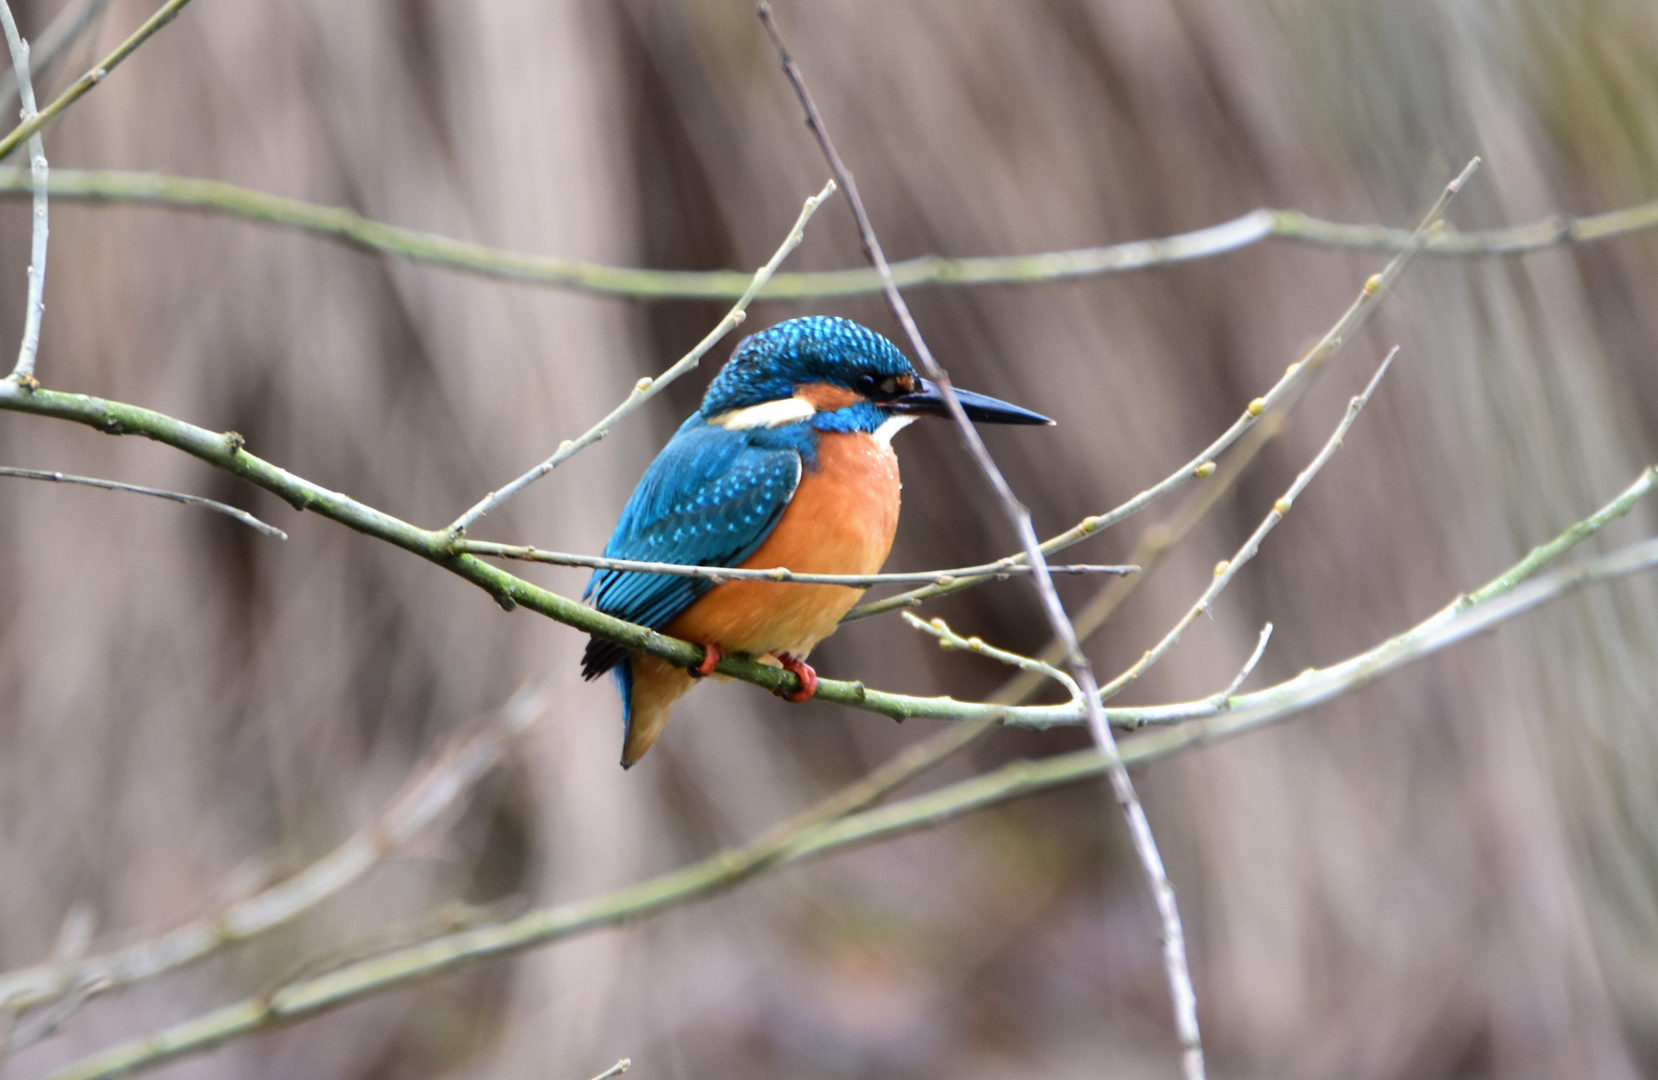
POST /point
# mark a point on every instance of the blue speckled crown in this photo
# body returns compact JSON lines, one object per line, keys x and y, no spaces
{"x":819,"y":348}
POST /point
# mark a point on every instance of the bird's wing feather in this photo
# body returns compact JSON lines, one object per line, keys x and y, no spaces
{"x":709,"y":499}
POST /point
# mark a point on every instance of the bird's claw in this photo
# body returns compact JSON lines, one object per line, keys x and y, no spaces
{"x":802,"y":671}
{"x":711,"y":655}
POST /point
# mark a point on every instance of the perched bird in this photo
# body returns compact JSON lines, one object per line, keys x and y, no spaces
{"x":788,"y":463}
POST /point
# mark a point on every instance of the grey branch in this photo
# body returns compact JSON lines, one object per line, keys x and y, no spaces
{"x":1249,"y":665}
{"x":159,"y":493}
{"x":24,"y":370}
{"x":949,"y":639}
{"x":649,"y":388}
{"x":1001,"y":569}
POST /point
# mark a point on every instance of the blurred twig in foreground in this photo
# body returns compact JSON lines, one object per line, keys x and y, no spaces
{"x":440,"y":781}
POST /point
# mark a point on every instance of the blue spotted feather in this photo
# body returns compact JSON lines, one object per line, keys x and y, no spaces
{"x":710,"y":499}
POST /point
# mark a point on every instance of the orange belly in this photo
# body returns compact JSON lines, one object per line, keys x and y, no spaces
{"x":841,"y":521}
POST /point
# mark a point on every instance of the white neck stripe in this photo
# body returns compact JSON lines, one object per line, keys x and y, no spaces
{"x":766,"y":414}
{"x":891,"y":426}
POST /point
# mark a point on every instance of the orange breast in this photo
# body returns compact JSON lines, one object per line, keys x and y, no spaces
{"x":841,"y":521}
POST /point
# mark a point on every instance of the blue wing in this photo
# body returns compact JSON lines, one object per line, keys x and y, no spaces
{"x":709,"y":499}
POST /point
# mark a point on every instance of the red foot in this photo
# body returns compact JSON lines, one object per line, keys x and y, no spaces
{"x":711,"y":655}
{"x":803,"y":671}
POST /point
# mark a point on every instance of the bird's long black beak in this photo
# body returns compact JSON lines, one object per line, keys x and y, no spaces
{"x":979,"y":407}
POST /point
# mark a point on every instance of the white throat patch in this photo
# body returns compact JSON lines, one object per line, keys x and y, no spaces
{"x":891,"y":426}
{"x":767,"y":414}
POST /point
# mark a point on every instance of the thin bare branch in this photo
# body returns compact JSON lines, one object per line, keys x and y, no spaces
{"x":648,"y":388}
{"x":174,"y":496}
{"x":226,"y":451}
{"x":348,"y":227}
{"x":1249,"y":665}
{"x":83,"y":85}
{"x":24,"y":369}
{"x":1227,"y":570}
{"x":1001,"y":570}
{"x":616,"y":1070}
{"x":1320,"y":684}
{"x":949,"y":639}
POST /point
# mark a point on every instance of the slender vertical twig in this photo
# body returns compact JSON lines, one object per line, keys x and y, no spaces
{"x":1184,"y":998}
{"x":24,"y":370}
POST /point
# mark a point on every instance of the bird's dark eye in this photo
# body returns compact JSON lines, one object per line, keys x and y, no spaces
{"x":876,"y":387}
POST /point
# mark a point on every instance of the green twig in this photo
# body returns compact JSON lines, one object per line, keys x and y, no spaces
{"x":226,"y":452}
{"x":350,"y":227}
{"x":65,"y":29}
{"x":1468,"y":614}
{"x":83,"y":85}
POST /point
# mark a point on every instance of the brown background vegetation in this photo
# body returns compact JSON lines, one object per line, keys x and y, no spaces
{"x":1448,"y":874}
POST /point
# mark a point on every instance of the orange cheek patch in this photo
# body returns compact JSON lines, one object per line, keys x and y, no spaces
{"x":826,"y":397}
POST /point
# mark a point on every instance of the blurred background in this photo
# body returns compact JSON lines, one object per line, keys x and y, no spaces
{"x":1449,"y":874}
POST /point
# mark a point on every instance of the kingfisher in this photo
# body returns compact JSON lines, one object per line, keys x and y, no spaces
{"x":788,"y":463}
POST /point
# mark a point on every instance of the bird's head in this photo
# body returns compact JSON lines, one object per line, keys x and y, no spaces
{"x":837,"y":376}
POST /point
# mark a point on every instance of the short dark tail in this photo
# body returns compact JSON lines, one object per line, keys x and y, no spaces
{"x":600,"y":657}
